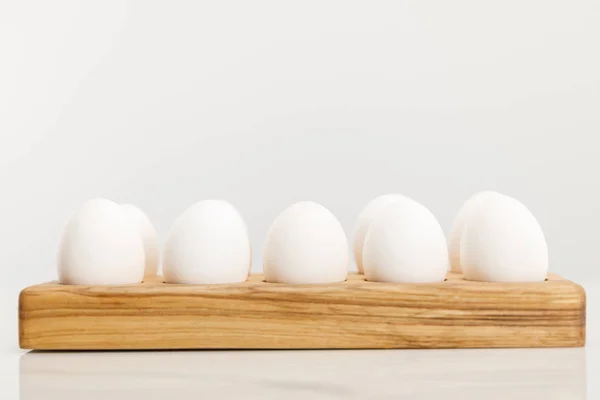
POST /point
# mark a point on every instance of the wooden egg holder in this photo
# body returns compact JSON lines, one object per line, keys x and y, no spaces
{"x":259,"y":315}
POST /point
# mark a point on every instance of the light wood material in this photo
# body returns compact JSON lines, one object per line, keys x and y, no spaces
{"x":255,"y":314}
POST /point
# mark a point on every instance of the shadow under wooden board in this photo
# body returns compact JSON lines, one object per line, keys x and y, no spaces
{"x":355,"y":314}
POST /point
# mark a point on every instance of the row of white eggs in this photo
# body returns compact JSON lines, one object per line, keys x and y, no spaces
{"x":494,"y":238}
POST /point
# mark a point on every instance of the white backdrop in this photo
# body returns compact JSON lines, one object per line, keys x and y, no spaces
{"x":162,"y":104}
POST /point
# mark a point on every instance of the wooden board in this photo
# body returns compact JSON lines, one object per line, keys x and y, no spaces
{"x":259,"y":315}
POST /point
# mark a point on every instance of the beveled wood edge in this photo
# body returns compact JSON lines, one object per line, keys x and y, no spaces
{"x":256,"y":281}
{"x":259,"y":279}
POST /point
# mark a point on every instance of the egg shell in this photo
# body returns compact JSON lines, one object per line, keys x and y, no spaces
{"x":100,"y":246}
{"x":365,"y":218}
{"x":458,"y":226}
{"x":306,"y":244}
{"x":207,"y":244}
{"x":406,"y":244}
{"x":148,"y":236}
{"x":503,"y":242}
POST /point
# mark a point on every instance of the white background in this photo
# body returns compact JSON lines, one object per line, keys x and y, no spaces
{"x":265,"y":103}
{"x":163,"y":104}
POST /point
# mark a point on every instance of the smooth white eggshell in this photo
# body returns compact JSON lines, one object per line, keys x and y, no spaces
{"x":458,"y":226}
{"x":148,"y":235}
{"x":503,"y":242}
{"x":405,"y":243}
{"x":365,"y":218}
{"x":207,"y":244}
{"x":306,"y":244}
{"x":100,"y":246}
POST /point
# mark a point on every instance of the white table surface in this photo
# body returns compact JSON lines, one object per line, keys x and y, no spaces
{"x":512,"y":374}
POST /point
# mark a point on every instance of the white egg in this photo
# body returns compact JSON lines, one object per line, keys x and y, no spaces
{"x":306,"y":244}
{"x":148,"y":235}
{"x":405,"y":243}
{"x":458,"y":226}
{"x":207,"y":244}
{"x":365,"y":218}
{"x":503,"y":242}
{"x":100,"y":246}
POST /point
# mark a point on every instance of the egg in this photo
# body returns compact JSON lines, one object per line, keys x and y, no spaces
{"x":365,"y":218}
{"x":503,"y":242}
{"x":100,"y":246}
{"x":306,"y":244}
{"x":148,"y":236}
{"x":458,"y":226}
{"x":207,"y":244}
{"x":405,"y":244}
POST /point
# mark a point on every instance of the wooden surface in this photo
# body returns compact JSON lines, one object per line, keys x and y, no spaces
{"x":354,"y":314}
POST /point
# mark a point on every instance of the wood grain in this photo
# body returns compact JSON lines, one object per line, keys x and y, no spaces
{"x":259,"y":315}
